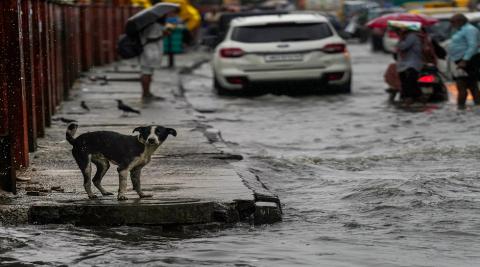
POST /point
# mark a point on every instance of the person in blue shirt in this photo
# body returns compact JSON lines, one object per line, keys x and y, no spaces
{"x":463,"y":51}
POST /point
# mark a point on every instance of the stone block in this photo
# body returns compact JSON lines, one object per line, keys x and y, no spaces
{"x":267,"y":213}
{"x":122,"y":214}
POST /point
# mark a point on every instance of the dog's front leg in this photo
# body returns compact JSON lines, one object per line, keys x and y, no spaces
{"x":122,"y":183}
{"x":135,"y":176}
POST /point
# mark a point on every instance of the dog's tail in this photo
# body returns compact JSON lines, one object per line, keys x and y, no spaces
{"x":71,"y":130}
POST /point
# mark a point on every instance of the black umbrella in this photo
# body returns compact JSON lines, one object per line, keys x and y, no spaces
{"x":148,"y":16}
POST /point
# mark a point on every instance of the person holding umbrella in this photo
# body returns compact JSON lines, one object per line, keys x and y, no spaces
{"x":150,"y":26}
{"x":463,"y":51}
{"x":151,"y":57}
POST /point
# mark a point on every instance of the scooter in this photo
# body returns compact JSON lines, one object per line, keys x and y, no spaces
{"x":432,"y":86}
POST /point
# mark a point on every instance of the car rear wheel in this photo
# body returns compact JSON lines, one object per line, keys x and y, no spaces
{"x":345,"y":88}
{"x":219,"y":88}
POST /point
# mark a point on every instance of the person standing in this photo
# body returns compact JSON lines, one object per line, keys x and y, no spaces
{"x":151,"y":57}
{"x":463,"y":51}
{"x":410,"y":63}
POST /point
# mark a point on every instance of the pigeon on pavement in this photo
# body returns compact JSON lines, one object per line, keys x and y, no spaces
{"x":126,"y":109}
{"x":84,"y":106}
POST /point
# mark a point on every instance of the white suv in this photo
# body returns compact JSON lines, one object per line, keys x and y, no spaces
{"x":281,"y":50}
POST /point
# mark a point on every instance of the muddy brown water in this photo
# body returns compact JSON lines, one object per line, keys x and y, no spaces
{"x":362,"y":184}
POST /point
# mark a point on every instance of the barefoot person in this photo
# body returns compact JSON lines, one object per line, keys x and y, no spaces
{"x":151,"y":58}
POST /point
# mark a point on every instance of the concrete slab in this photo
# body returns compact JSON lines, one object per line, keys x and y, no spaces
{"x":179,"y":211}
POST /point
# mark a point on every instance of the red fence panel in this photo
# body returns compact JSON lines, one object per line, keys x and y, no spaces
{"x":44,"y":47}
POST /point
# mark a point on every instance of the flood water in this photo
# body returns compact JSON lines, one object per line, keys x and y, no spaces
{"x":362,"y":184}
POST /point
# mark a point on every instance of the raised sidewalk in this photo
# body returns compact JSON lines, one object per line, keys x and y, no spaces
{"x":192,"y":182}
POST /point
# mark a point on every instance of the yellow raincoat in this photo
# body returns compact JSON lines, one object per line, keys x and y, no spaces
{"x":142,"y":3}
{"x":188,"y":13}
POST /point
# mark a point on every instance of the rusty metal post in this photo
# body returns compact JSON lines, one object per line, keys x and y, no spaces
{"x":86,"y":40}
{"x":73,"y":45}
{"x":64,"y":50}
{"x":72,"y":32}
{"x":7,"y":172}
{"x":3,"y":76}
{"x":125,"y":16}
{"x":110,"y":33}
{"x":38,"y":66}
{"x":52,"y":57}
{"x":70,"y":47}
{"x":76,"y":40}
{"x":8,"y":179}
{"x":27,"y":14}
{"x":15,"y":85}
{"x":58,"y":43}
{"x":118,"y":25}
{"x":46,"y":60}
{"x":98,"y":34}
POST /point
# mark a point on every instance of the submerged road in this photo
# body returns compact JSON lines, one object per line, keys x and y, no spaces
{"x":362,"y":184}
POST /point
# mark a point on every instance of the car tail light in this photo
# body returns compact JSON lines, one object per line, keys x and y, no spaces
{"x":427,"y":79}
{"x":236,"y":80}
{"x":334,"y":48}
{"x":231,"y":52}
{"x":334,"y":76}
{"x":392,"y":34}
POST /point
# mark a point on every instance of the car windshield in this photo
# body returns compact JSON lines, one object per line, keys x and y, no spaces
{"x":288,"y":32}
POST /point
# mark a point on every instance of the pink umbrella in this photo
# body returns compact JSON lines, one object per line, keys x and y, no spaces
{"x":382,"y":22}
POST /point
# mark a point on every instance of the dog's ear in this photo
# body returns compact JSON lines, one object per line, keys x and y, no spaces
{"x":138,"y":129}
{"x":172,"y":131}
{"x":140,"y":136}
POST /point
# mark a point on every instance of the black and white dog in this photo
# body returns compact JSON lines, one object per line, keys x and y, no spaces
{"x":130,"y":153}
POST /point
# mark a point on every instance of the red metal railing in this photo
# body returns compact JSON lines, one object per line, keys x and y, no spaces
{"x":45,"y":45}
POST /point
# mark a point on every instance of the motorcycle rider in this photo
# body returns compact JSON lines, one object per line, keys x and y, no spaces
{"x":410,"y":63}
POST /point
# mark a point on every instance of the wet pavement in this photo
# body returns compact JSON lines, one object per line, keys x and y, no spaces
{"x":189,"y":176}
{"x":362,"y":183}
